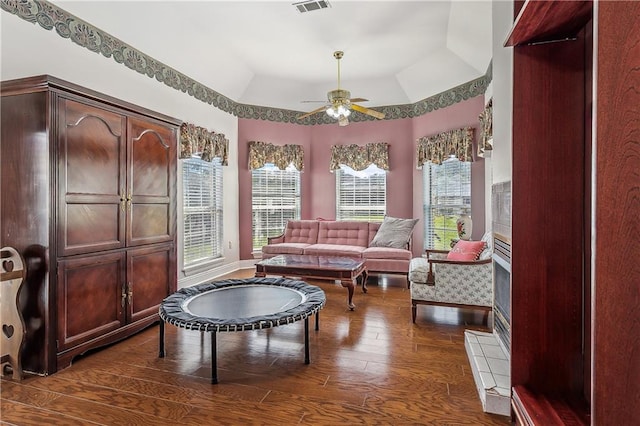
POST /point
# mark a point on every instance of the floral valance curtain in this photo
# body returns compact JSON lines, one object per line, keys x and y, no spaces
{"x":485,"y":142}
{"x":198,"y":140}
{"x":438,"y":148}
{"x":281,"y":156}
{"x":360,"y":157}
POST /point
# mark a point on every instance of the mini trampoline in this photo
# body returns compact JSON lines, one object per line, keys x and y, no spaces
{"x":241,"y":305}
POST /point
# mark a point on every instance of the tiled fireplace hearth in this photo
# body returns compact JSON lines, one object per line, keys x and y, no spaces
{"x":491,"y":371}
{"x":489,"y":353}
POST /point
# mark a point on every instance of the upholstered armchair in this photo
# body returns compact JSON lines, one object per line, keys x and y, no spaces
{"x":438,"y":278}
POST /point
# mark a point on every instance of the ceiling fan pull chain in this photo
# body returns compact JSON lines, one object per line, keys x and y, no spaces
{"x":338,"y":55}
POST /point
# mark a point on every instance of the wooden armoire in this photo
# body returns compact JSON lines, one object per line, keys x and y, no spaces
{"x":89,"y":200}
{"x":575,"y":299}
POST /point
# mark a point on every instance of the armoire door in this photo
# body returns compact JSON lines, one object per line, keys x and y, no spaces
{"x":91,"y":297}
{"x":92,"y":178}
{"x":152,"y":182}
{"x":149,"y":279}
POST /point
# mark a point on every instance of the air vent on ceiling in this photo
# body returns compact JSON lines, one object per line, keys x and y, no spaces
{"x":311,"y":5}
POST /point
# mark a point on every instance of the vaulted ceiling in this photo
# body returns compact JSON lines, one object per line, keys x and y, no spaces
{"x":267,"y":53}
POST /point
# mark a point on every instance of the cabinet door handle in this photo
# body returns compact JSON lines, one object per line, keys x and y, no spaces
{"x":123,"y":201}
{"x":129,"y":200}
{"x":129,"y":295}
{"x":124,"y":296}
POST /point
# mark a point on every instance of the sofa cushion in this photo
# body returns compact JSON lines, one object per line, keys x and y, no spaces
{"x":373,"y":230}
{"x":392,"y":266}
{"x":386,"y":253}
{"x":285,"y":248}
{"x":301,"y":231}
{"x":394,"y":232}
{"x":488,"y":248}
{"x":418,"y":270}
{"x":466,"y":250}
{"x":334,"y":250}
{"x":343,"y":232}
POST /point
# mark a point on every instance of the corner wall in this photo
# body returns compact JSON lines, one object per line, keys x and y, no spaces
{"x":502,"y":87}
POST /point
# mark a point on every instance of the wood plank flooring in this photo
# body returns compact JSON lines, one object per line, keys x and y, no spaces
{"x":369,"y":366}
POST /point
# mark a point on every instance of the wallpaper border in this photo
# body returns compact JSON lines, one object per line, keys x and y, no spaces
{"x":66,"y":25}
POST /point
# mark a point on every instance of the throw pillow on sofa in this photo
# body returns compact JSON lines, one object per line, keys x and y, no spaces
{"x":466,"y":250}
{"x":394,"y":232}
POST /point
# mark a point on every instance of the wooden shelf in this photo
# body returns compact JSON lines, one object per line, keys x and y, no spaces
{"x":544,"y":21}
{"x":532,"y":408}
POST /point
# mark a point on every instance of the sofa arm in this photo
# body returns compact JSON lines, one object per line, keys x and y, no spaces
{"x":429,"y":251}
{"x":460,"y":262}
{"x":276,"y":240}
{"x":432,"y":254}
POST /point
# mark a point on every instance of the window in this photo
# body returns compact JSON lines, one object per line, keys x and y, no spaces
{"x":447,"y":195}
{"x":202,"y":195}
{"x":275,"y":199}
{"x":361,"y":195}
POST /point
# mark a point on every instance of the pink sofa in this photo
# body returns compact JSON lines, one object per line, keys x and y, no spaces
{"x":339,"y":238}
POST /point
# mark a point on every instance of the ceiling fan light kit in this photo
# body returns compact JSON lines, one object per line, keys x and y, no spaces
{"x":340,"y":102}
{"x":337,"y":111}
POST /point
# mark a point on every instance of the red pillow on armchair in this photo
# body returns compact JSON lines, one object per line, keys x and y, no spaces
{"x":466,"y":250}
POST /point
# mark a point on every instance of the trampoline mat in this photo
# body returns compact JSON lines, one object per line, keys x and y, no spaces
{"x":243,"y":301}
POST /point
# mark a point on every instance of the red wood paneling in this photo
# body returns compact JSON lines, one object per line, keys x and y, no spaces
{"x":617,"y":272}
{"x":547,"y":217}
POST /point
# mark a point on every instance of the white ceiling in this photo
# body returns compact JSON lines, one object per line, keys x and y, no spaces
{"x":267,"y":53}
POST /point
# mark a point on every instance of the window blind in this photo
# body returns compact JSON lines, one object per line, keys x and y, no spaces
{"x":202,"y":198}
{"x":275,"y":199}
{"x":361,"y":195}
{"x":447,"y":195}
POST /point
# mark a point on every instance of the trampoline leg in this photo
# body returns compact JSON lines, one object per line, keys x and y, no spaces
{"x":306,"y":340}
{"x":317,"y":320}
{"x":214,"y":360}
{"x":161,"y":340}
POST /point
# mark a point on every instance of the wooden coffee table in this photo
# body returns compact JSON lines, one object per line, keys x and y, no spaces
{"x":345,"y":269}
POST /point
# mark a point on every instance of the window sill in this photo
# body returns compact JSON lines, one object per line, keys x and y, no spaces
{"x":201,"y":267}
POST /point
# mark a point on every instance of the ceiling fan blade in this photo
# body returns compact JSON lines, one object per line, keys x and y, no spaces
{"x":368,"y":111}
{"x":358,"y":100}
{"x":312,"y":102}
{"x":315,"y":111}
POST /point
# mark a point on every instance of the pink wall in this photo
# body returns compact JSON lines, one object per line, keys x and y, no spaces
{"x":404,"y":182}
{"x":397,"y":133}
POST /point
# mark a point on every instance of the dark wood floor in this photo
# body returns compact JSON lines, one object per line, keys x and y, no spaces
{"x":369,"y":366}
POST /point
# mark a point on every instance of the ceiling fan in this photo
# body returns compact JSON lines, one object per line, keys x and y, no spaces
{"x":340,"y":102}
